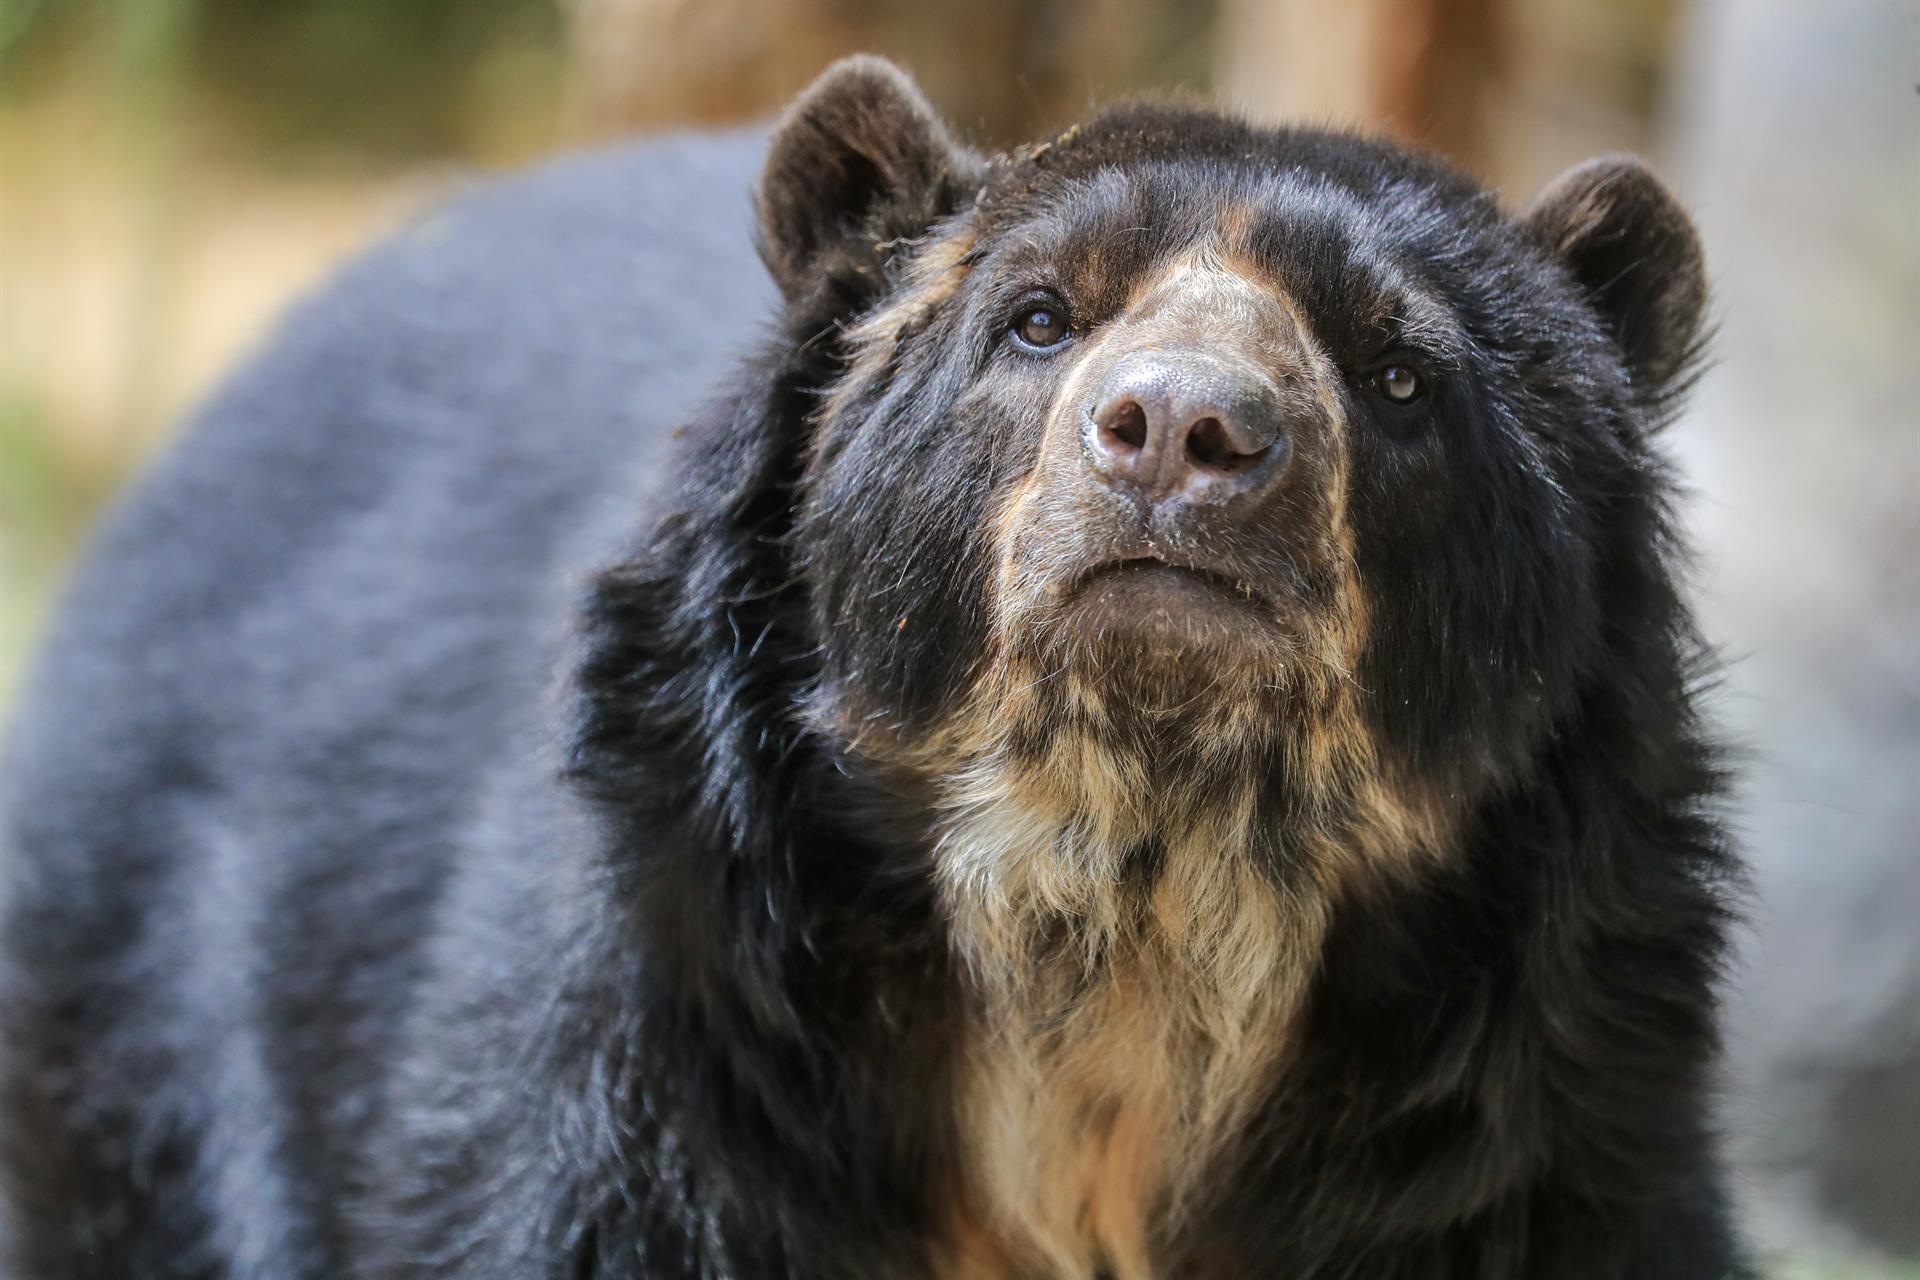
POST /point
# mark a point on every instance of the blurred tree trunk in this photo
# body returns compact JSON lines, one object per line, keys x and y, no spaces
{"x":1003,"y":71}
{"x":1415,"y":68}
{"x":1513,"y":90}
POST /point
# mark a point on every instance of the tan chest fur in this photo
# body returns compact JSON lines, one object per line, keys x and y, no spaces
{"x":1101,"y":1076}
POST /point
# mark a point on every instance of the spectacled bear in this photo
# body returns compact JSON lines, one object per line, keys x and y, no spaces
{"x":1122,"y":710}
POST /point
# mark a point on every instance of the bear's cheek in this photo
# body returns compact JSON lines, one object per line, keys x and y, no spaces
{"x":896,"y":539}
{"x":1481,"y":605}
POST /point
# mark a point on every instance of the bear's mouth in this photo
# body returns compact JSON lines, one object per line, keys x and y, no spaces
{"x":1167,"y":604}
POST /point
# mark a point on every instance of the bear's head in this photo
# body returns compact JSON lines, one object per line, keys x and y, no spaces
{"x":1175,"y":485}
{"x":1177,"y":452}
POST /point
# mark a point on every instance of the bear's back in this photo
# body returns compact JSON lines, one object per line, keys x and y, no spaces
{"x":301,"y":655}
{"x":413,"y":474}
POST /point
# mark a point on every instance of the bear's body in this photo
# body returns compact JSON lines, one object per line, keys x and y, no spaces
{"x":441,"y":449}
{"x":457,"y":830}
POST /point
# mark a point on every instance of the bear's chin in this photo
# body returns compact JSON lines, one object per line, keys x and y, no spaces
{"x":1140,"y":655}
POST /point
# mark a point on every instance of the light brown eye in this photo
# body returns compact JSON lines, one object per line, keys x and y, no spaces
{"x":1399,"y":383}
{"x":1042,"y":326}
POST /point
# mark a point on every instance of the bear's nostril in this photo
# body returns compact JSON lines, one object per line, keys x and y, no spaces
{"x":1126,"y":423}
{"x":1210,"y":445}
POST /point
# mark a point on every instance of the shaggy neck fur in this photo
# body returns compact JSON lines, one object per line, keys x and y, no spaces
{"x":1135,"y":972}
{"x":1140,"y":925}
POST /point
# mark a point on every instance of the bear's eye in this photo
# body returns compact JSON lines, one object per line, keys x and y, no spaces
{"x":1399,"y":383}
{"x":1041,"y":325}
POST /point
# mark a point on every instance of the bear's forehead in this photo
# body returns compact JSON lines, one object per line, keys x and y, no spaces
{"x":1153,"y":207}
{"x":1357,"y":226}
{"x":1208,"y":155}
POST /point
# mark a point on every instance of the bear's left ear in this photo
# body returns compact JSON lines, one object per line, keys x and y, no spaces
{"x":858,"y":154}
{"x":1634,"y":251}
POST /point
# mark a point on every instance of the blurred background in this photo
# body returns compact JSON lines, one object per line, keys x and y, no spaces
{"x":173,"y":172}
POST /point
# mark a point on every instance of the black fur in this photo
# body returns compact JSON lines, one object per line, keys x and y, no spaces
{"x":339,"y":943}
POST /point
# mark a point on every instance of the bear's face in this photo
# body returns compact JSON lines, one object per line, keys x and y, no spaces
{"x":1212,"y":444}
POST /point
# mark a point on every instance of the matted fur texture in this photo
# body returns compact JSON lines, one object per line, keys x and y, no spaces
{"x":947,"y":854}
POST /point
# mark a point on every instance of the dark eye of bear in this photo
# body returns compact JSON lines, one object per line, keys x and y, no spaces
{"x":1042,"y":326}
{"x":1399,"y":383}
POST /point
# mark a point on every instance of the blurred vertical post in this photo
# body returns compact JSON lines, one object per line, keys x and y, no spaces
{"x":1002,"y":71}
{"x":1414,"y":68}
{"x":1512,"y":90}
{"x":151,"y":41}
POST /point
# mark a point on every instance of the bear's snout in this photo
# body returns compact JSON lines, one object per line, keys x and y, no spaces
{"x":1186,"y":426}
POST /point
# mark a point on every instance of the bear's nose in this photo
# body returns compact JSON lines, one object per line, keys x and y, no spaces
{"x":1186,"y":424}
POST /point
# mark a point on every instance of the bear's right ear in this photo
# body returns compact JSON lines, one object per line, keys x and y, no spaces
{"x":859,"y":154}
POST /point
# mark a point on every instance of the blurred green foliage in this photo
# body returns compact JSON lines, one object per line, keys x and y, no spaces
{"x":334,"y":86}
{"x":362,"y":82}
{"x":47,"y":499}
{"x":393,"y":81}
